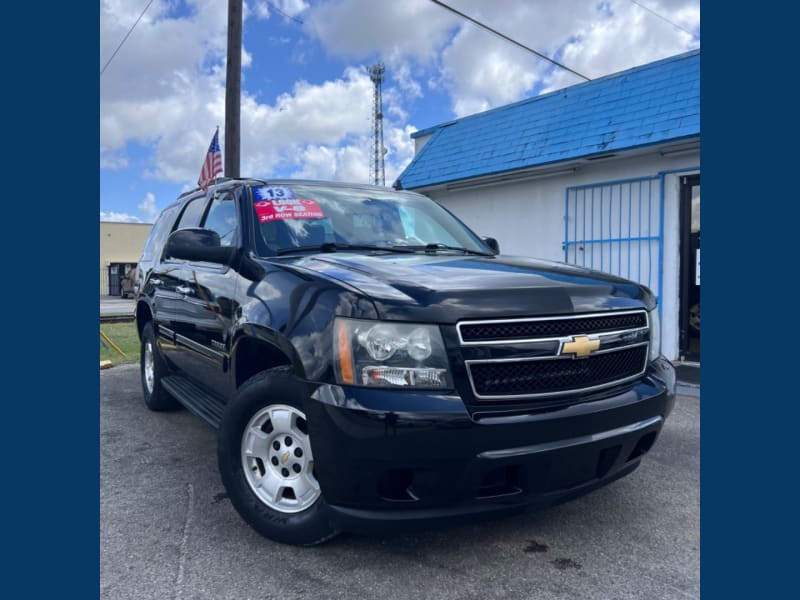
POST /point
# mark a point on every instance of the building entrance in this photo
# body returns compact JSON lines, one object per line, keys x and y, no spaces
{"x":690,"y":269}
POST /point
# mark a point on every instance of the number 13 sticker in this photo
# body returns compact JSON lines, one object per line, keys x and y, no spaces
{"x":274,"y":193}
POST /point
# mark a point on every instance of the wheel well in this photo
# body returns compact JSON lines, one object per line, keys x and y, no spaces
{"x":143,"y":316}
{"x":254,"y":356}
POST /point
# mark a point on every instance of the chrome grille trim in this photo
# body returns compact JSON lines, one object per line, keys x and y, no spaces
{"x":560,"y":340}
{"x":551,"y":318}
{"x":555,"y":394}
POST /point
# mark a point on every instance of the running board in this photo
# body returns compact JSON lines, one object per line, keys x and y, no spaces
{"x":197,"y":400}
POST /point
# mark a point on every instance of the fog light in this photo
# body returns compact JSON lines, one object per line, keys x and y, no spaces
{"x":404,"y":376}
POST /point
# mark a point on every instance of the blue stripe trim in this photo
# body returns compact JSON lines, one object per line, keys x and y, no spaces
{"x":650,"y":238}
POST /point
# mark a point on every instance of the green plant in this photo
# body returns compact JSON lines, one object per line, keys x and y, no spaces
{"x":125,"y":337}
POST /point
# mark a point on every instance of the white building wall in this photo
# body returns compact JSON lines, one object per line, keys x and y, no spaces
{"x":419,"y":142}
{"x":527,"y":218}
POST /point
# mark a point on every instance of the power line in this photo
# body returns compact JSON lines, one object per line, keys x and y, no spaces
{"x":508,"y":39}
{"x":650,"y":10}
{"x":279,"y":11}
{"x":125,"y":38}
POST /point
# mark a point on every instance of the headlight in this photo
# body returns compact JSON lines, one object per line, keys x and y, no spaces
{"x":386,"y":354}
{"x":655,"y":334}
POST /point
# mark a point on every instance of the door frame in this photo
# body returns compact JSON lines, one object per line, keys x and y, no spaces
{"x":686,"y":261}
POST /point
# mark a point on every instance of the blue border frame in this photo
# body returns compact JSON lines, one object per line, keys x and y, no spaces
{"x":50,"y":302}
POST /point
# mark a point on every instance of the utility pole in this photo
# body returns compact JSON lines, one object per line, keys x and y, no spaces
{"x":233,"y":88}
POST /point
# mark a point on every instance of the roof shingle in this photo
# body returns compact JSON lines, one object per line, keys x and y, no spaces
{"x":650,"y":104}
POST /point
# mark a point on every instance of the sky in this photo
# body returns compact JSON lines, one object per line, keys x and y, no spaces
{"x":306,"y":94}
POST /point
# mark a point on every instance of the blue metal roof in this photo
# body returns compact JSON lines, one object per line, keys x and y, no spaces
{"x":646,"y":105}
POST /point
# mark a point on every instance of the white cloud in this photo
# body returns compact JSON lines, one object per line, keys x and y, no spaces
{"x":247,"y":59}
{"x":483,"y":71}
{"x":483,"y":75}
{"x":311,"y":116}
{"x":401,"y":151}
{"x":351,"y":161}
{"x":148,"y":206}
{"x":401,"y":73}
{"x":629,"y":38}
{"x":480,"y":70}
{"x":165,"y":88}
{"x":292,"y":8}
{"x":118,"y":217}
{"x":345,"y":163}
{"x":112,"y":160}
{"x":286,"y":9}
{"x":157,"y":83}
{"x":261,"y":11}
{"x":318,"y":162}
{"x":360,"y":28}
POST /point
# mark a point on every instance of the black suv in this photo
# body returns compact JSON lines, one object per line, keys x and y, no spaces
{"x":372,"y":364}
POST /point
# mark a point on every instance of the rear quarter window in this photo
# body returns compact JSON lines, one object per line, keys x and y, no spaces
{"x":159,"y":233}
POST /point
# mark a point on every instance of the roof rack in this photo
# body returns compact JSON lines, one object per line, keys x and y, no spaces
{"x":217,"y":181}
{"x":285,"y":181}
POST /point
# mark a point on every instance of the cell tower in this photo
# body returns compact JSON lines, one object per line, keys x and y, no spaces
{"x":377,"y":174}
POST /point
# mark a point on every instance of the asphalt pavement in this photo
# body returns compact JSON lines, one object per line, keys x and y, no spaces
{"x":167,"y":529}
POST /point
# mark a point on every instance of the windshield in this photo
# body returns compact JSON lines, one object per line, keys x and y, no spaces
{"x":310,"y":216}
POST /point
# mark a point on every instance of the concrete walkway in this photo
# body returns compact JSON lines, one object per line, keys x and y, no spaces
{"x":114,"y":305}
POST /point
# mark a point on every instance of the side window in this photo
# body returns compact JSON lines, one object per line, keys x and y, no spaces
{"x":159,"y":233}
{"x":222,"y":218}
{"x":192,"y":213}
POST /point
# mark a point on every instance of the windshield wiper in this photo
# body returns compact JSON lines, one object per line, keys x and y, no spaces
{"x":332,"y":247}
{"x":437,"y":246}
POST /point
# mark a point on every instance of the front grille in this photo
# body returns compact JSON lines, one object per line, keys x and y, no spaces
{"x":554,"y":376}
{"x":548,"y":328}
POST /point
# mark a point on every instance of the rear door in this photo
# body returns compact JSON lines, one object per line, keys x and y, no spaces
{"x":168,"y":297}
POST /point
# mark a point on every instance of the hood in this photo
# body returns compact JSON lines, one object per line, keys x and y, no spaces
{"x":446,"y":288}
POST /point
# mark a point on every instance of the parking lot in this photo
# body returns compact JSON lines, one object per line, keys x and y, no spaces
{"x":167,"y":529}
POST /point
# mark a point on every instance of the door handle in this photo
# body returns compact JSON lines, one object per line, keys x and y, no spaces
{"x":182,"y":289}
{"x":155,"y":281}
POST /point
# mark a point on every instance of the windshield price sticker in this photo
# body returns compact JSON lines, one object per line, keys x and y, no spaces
{"x":273,"y":193}
{"x":289,"y":208}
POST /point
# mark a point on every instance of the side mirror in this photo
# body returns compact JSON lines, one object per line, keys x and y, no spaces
{"x":197,"y":245}
{"x":492,"y":243}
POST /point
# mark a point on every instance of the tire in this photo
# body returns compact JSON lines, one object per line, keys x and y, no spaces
{"x":153,"y":368}
{"x":266,"y":464}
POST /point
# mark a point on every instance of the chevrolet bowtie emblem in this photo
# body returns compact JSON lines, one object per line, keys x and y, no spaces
{"x":580,"y":346}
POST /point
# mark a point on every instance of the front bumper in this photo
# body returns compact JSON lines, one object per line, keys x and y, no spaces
{"x":392,"y":460}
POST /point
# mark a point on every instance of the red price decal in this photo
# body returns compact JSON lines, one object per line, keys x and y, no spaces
{"x":289,"y":208}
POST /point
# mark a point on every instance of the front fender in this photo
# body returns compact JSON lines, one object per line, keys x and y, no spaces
{"x":300,"y":324}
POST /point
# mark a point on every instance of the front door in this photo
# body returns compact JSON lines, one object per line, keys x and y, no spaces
{"x":203,"y":295}
{"x":690,"y":268}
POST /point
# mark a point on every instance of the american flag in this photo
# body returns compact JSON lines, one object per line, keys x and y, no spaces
{"x":213,"y":163}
